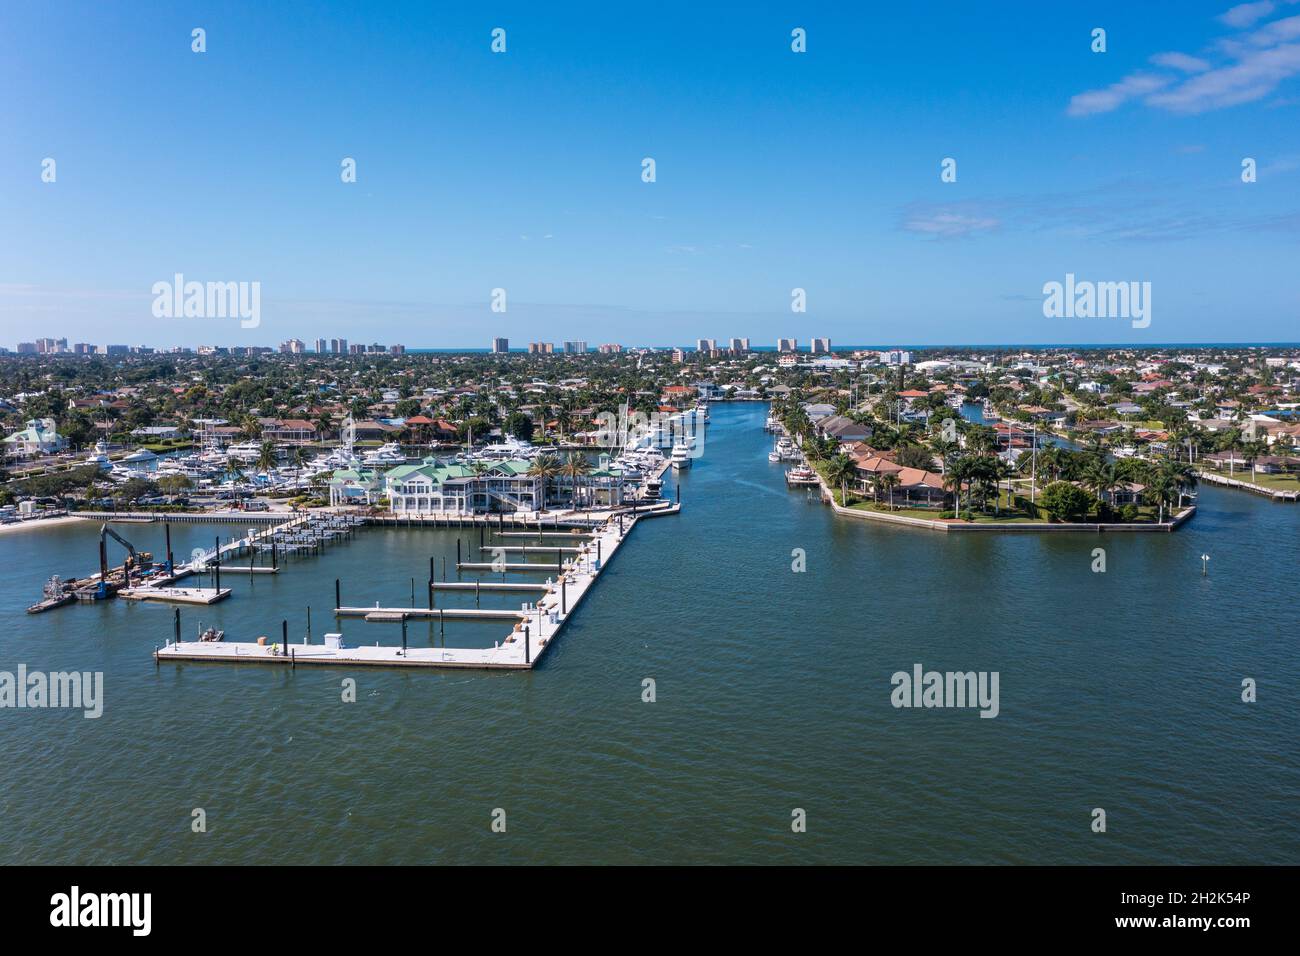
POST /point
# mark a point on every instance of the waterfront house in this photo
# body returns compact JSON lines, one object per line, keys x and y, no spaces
{"x":435,"y":487}
{"x":38,"y":438}
{"x":354,"y":486}
{"x":843,"y":428}
{"x":289,"y":431}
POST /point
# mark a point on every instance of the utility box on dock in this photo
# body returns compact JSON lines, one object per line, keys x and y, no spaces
{"x":334,"y":642}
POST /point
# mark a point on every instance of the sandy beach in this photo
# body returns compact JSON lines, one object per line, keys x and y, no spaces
{"x":38,"y":523}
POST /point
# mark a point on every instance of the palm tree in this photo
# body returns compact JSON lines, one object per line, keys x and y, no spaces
{"x":1252,"y":451}
{"x":297,"y":457}
{"x":890,"y":480}
{"x":840,"y":470}
{"x":574,"y":468}
{"x":545,"y":466}
{"x":266,"y":456}
{"x":1102,"y":477}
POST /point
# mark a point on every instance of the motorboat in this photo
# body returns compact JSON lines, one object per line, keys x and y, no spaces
{"x":681,"y":457}
{"x":801,"y":475}
{"x":389,"y":453}
{"x":245,"y":451}
{"x":99,"y":456}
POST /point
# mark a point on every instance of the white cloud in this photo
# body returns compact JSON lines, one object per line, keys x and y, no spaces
{"x":1115,"y":95}
{"x":947,"y":223}
{"x":1244,"y":14}
{"x":1257,"y":63}
{"x":1181,"y":61}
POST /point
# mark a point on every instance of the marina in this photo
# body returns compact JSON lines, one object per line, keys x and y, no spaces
{"x":536,"y":625}
{"x":752,"y":712}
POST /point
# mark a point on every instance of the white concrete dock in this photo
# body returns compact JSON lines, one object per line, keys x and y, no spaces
{"x":528,"y":641}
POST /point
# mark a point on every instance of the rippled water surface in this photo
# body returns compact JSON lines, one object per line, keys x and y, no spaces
{"x":1118,"y":690}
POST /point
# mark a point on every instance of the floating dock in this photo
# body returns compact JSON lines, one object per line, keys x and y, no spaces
{"x":535,"y":629}
{"x":176,"y":595}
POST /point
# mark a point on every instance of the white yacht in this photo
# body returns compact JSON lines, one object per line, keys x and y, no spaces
{"x":506,"y":449}
{"x":681,"y":457}
{"x":99,"y":456}
{"x":244,"y":451}
{"x":390,"y":453}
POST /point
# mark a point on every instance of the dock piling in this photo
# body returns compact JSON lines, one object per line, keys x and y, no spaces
{"x":337,"y":601}
{"x":176,"y":625}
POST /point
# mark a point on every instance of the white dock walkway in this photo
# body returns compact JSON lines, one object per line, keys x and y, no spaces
{"x":522,"y":648}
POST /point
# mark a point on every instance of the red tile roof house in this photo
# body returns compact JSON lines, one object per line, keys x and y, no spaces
{"x":289,"y":431}
{"x":916,"y":487}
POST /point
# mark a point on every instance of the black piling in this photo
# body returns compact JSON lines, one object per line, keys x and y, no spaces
{"x":527,"y":656}
{"x":176,"y":625}
{"x":216,"y":566}
{"x":564,"y":596}
{"x":308,"y":623}
{"x":167,"y":529}
{"x":430,"y":582}
{"x":403,"y":635}
{"x":338,"y":603}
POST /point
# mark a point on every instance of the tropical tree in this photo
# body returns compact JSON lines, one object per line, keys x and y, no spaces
{"x":890,"y":481}
{"x":575,"y":467}
{"x":266,"y":456}
{"x":545,"y":466}
{"x":840,"y":470}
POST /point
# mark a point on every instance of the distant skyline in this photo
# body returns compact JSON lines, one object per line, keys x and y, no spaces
{"x":774,"y":170}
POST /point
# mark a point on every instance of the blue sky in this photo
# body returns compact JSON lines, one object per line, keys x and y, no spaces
{"x":775,"y":170}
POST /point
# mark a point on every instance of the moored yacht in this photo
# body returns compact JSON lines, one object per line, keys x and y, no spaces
{"x":389,"y":453}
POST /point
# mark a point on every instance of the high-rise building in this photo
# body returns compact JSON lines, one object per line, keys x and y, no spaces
{"x":821,"y":346}
{"x":609,"y":348}
{"x":896,"y":357}
{"x":321,"y":346}
{"x":740,"y":345}
{"x":575,"y":348}
{"x":26,"y":348}
{"x":500,"y":346}
{"x":339,"y":346}
{"x":705,"y":345}
{"x":293,"y":347}
{"x":787,"y":345}
{"x":541,"y":348}
{"x":397,"y":350}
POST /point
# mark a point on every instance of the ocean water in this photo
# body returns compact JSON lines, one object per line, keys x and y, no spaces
{"x":1119,"y":690}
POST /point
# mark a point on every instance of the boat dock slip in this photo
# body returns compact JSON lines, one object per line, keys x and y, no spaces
{"x":533,"y":631}
{"x":547,"y":568}
{"x":527,"y":549}
{"x":396,"y":614}
{"x":175,"y":595}
{"x":487,"y":586}
{"x":575,"y":535}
